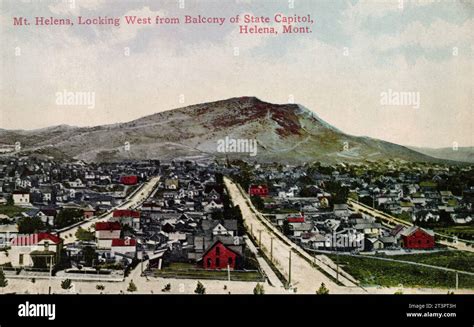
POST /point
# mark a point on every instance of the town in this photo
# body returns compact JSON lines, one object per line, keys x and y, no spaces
{"x":231,"y":222}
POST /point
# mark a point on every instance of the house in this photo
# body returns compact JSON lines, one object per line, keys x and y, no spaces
{"x":129,"y":180}
{"x":219,"y":256}
{"x":88,"y":212}
{"x":462,"y":218}
{"x":213,"y":206}
{"x":226,"y":227}
{"x":219,"y":227}
{"x":373,"y":244}
{"x":47,"y":216}
{"x":388,"y":241}
{"x":298,"y":218}
{"x":127,"y":217}
{"x":341,"y":210}
{"x":21,"y":198}
{"x":39,"y":250}
{"x":417,"y":238}
{"x":105,"y":232}
{"x":300,"y":228}
{"x":121,"y":248}
{"x":171,"y":183}
{"x":446,"y":196}
{"x":258,"y":190}
{"x":313,"y":240}
{"x":368,"y":228}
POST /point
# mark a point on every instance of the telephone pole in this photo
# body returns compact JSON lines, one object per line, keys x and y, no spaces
{"x":50,"y":272}
{"x":289,"y":270}
{"x":271,"y":249}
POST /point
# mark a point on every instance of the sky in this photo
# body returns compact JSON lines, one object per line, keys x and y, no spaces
{"x":358,"y":52}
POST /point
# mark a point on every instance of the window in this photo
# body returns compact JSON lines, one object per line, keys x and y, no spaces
{"x":218,"y":263}
{"x":209,"y":262}
{"x":20,"y":259}
{"x":229,"y":261}
{"x":218,"y":250}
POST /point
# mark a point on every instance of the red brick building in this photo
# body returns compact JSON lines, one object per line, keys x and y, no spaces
{"x":218,"y":256}
{"x":129,"y":180}
{"x":417,"y":238}
{"x":258,"y":190}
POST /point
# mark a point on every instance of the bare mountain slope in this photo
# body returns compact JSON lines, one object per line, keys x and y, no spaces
{"x":286,"y":133}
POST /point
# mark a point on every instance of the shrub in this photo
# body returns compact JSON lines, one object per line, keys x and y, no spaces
{"x":200,"y":289}
{"x":3,"y":280}
{"x":322,"y":290}
{"x":167,"y":288}
{"x":132,"y":287}
{"x":258,"y":290}
{"x":66,"y":284}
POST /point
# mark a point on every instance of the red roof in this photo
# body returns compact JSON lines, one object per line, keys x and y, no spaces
{"x":33,"y":239}
{"x":129,"y":180}
{"x":127,"y":213}
{"x":295,"y":219}
{"x":124,"y":242}
{"x":108,"y":226}
{"x":254,"y":187}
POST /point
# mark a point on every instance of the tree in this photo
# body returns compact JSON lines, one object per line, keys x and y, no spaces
{"x":10,"y":201}
{"x":257,"y":202}
{"x":3,"y":280}
{"x":367,"y":200}
{"x":259,"y":290}
{"x":286,"y":228}
{"x":67,"y":217}
{"x":132,"y":287}
{"x":66,"y":284}
{"x":200,"y":289}
{"x":84,"y":235}
{"x":30,"y":225}
{"x":89,"y":255}
{"x":323,"y":290}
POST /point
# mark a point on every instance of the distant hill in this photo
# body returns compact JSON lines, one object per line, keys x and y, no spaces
{"x":463,"y":154}
{"x":284,"y":133}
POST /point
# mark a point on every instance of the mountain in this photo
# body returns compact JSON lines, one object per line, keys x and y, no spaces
{"x":285,"y":133}
{"x":462,"y":154}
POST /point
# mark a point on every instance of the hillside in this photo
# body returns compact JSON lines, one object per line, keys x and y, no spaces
{"x":284,"y":133}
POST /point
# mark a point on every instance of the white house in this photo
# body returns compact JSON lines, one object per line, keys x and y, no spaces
{"x":44,"y":246}
{"x":21,"y":198}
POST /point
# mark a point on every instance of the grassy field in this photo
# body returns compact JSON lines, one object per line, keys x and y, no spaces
{"x":186,"y":270}
{"x":11,"y":211}
{"x":464,"y":232}
{"x":459,"y":260}
{"x":384,"y":273}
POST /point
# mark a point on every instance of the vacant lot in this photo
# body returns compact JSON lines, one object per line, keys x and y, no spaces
{"x":377,"y":272}
{"x":186,"y":270}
